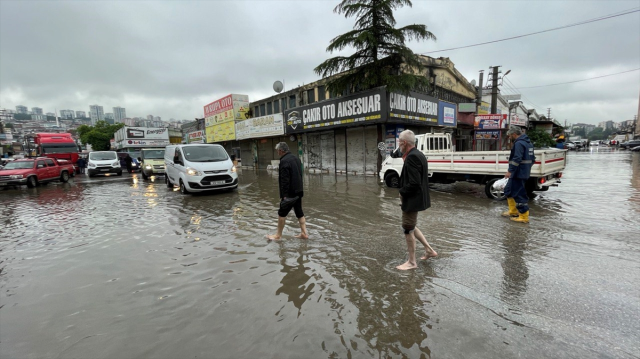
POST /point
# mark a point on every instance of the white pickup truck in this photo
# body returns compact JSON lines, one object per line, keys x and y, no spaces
{"x":483,"y":167}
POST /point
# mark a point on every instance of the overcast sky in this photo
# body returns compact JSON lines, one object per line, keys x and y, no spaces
{"x":170,"y":58}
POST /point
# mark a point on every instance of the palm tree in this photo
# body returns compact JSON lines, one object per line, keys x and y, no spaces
{"x":381,"y":57}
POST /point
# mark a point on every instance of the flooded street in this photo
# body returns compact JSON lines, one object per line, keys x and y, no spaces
{"x":124,"y":268}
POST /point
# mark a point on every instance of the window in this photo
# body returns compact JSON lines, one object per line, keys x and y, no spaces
{"x":292,"y":101}
{"x":50,"y":163}
{"x":321,"y":93}
{"x":256,"y":111}
{"x":284,"y":103}
{"x":41,"y":164}
{"x":269,"y":108}
{"x":311,"y":96}
{"x":262,"y":110}
{"x":276,"y":106}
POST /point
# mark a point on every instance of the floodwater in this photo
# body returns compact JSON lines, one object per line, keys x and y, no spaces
{"x":126,"y":268}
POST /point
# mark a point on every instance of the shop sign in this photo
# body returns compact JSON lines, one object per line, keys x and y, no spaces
{"x":490,"y":122}
{"x":487,"y":134}
{"x":517,"y":120}
{"x":361,"y":108}
{"x":143,"y":143}
{"x":414,"y":106}
{"x":447,"y":114}
{"x":257,"y":127}
{"x":196,"y":137}
{"x":146,"y":133}
{"x":484,"y":108}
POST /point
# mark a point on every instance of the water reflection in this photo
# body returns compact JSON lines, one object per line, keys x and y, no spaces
{"x":514,"y":266}
{"x":294,"y":283}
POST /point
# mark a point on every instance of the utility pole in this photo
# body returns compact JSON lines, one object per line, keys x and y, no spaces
{"x":479,"y":94}
{"x":494,"y":90}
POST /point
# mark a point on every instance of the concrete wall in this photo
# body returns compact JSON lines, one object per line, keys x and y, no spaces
{"x":341,"y":150}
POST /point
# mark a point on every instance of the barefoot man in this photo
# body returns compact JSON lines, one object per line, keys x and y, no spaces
{"x":290,"y":183}
{"x":414,"y":194}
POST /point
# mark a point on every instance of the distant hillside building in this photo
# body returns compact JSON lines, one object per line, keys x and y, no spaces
{"x":81,"y":114}
{"x":36,"y":111}
{"x":119,"y":114}
{"x":96,"y":113}
{"x":21,"y":109}
{"x":66,"y":114}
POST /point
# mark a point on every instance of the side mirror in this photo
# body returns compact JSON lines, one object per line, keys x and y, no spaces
{"x":396,"y":153}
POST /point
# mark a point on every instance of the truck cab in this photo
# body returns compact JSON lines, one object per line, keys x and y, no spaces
{"x":152,"y":162}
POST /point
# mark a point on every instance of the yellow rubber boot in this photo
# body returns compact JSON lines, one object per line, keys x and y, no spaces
{"x":522,"y":217}
{"x":513,"y":211}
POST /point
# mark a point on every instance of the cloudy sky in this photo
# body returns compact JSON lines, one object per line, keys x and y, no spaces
{"x":170,"y":58}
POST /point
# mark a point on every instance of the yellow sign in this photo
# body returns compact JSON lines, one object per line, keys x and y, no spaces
{"x":221,"y":132}
{"x":484,"y":108}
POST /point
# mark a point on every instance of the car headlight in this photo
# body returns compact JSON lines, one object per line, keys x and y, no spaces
{"x":149,"y":167}
{"x":193,"y":172}
{"x":116,"y":164}
{"x":15,"y":176}
{"x":91,"y":164}
{"x":234,"y":169}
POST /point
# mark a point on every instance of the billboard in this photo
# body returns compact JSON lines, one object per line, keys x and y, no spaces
{"x":517,"y":120}
{"x":484,"y":108}
{"x":490,"y":122}
{"x":195,"y":137}
{"x":487,"y":135}
{"x":221,"y":132}
{"x":447,"y":114}
{"x":360,"y":108}
{"x":467,"y":107}
{"x":228,"y":108}
{"x":414,"y":106}
{"x":142,"y":133}
{"x":258,"y":127}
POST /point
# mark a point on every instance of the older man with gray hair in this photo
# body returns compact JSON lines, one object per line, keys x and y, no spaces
{"x":290,"y":185}
{"x":521,"y":160}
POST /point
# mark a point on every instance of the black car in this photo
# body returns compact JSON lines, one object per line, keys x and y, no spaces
{"x":630,"y":144}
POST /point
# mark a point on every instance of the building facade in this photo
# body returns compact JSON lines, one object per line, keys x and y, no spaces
{"x":36,"y":111}
{"x":119,"y":114}
{"x":81,"y":114}
{"x":22,"y":109}
{"x":96,"y":113}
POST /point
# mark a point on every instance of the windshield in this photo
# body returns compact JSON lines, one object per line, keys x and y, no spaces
{"x":59,"y":148}
{"x":205,"y":153}
{"x":153,"y":154}
{"x":19,"y":165}
{"x":102,"y":156}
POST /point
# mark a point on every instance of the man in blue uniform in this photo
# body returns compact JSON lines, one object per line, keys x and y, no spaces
{"x":521,"y":160}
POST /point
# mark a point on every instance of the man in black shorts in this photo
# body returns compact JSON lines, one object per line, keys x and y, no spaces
{"x":290,"y":184}
{"x":414,"y":194}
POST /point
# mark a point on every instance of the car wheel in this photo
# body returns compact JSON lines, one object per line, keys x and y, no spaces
{"x":168,"y":182}
{"x":119,"y":173}
{"x":144,"y":176}
{"x":492,"y":193}
{"x":64,"y":177}
{"x":32,"y":181}
{"x":392,"y":180}
{"x":183,"y":188}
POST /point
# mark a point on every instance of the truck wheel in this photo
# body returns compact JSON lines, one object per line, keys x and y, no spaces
{"x":64,"y":177}
{"x":495,"y":194}
{"x":183,"y":188}
{"x":392,"y":180}
{"x":32,"y":181}
{"x":168,"y":182}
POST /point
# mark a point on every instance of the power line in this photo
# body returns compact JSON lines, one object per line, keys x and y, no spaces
{"x":570,"y":82}
{"x":626,"y":12}
{"x":512,"y":86}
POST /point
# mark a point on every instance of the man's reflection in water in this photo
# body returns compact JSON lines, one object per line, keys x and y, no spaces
{"x":294,"y":282}
{"x":514,"y":267}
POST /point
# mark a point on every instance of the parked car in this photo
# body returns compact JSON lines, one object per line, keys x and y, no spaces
{"x":570,"y":145}
{"x":636,"y":149}
{"x":135,"y":164}
{"x":34,"y":171}
{"x":594,"y":143}
{"x":630,"y":144}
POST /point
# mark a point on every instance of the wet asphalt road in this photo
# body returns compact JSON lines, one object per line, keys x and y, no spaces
{"x":120,"y":267}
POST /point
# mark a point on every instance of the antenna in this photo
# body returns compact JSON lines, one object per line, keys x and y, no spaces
{"x":278,"y":86}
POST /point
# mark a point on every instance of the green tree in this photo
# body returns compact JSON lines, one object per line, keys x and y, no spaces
{"x":541,"y":138}
{"x":98,"y":136}
{"x":597,"y":134}
{"x":380,"y":51}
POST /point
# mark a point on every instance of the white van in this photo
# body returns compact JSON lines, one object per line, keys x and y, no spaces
{"x":103,"y":162}
{"x":199,"y":167}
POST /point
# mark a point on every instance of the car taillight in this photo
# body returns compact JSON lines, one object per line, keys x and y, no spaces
{"x":542,"y":180}
{"x":559,"y":175}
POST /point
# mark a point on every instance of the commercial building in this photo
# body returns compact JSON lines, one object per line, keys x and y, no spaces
{"x":36,"y":111}
{"x":66,"y":114}
{"x":81,"y":114}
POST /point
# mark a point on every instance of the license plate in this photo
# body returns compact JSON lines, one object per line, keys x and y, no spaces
{"x":212,"y":183}
{"x":104,"y":170}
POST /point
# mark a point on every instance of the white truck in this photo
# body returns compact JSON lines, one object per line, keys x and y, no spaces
{"x":482,"y":167}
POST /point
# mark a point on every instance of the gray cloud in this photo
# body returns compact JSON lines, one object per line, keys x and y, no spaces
{"x":171,"y":58}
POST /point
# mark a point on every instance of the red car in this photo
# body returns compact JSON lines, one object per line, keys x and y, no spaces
{"x":33,"y":171}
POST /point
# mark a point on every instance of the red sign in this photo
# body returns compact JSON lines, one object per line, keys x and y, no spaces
{"x":218,"y":106}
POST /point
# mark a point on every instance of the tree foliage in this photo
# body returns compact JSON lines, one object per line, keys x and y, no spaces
{"x":380,"y":50}
{"x":541,"y":138}
{"x":98,"y":136}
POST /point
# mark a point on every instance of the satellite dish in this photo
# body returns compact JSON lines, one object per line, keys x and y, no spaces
{"x":278,"y":86}
{"x":473,"y":82}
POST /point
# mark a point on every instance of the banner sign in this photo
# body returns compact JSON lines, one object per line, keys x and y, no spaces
{"x":490,"y":122}
{"x":487,"y":134}
{"x":221,"y":132}
{"x":258,"y":127}
{"x":415,"y":106}
{"x":147,"y":133}
{"x":360,"y":108}
{"x":195,"y":137}
{"x":447,"y":114}
{"x":228,"y":108}
{"x":467,"y":107}
{"x":146,"y":143}
{"x":517,"y":120}
{"x":484,"y":108}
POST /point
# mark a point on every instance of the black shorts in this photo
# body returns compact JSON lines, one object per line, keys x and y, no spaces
{"x":297,"y":208}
